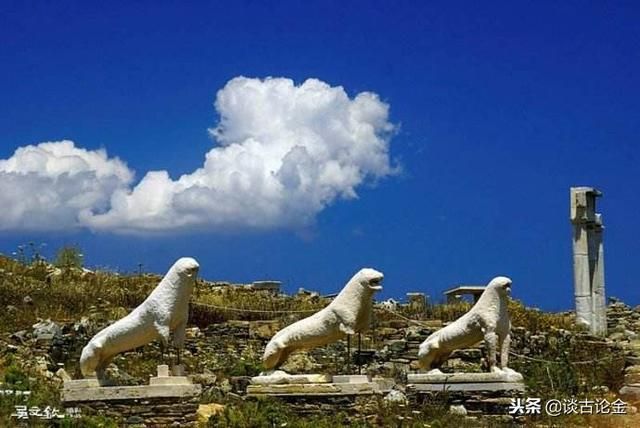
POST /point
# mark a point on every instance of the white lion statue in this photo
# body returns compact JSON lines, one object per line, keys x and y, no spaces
{"x":487,"y":320}
{"x":348,"y":313}
{"x":164,"y":312}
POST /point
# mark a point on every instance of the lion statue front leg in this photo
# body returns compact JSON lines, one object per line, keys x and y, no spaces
{"x":491,"y":340}
{"x":505,"y":345}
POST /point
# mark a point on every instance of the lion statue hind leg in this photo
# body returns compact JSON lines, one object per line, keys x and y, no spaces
{"x":275,"y":354}
{"x":90,"y":360}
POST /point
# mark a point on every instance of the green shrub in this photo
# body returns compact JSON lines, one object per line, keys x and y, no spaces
{"x":15,"y":378}
{"x":69,"y":256}
{"x":245,"y":367}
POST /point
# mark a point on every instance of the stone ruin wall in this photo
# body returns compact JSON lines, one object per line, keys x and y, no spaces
{"x":395,"y":342}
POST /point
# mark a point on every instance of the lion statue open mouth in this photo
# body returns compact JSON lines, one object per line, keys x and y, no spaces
{"x":348,"y":313}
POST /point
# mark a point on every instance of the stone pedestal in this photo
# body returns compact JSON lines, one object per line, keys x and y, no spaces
{"x":165,"y":401}
{"x":176,"y":377}
{"x":282,"y":384}
{"x":425,"y":382}
{"x":280,"y":377}
{"x":473,"y":393}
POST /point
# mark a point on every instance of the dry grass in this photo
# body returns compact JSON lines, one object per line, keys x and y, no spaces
{"x":72,"y":295}
{"x":536,"y":321}
{"x":233,"y":303}
{"x":68,"y":296}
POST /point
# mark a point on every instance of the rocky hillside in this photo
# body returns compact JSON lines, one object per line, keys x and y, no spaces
{"x":49,"y":315}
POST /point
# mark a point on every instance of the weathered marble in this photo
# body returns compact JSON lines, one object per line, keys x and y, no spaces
{"x":351,"y":379}
{"x":163,"y":313}
{"x":72,"y":392}
{"x":175,"y":376}
{"x":311,"y":389}
{"x":340,"y":385}
{"x":348,"y":313}
{"x":467,"y":387}
{"x":435,"y":381}
{"x":163,"y":385}
{"x":588,"y":260}
{"x":487,"y":320}
{"x":507,"y":376}
{"x":280,"y":377}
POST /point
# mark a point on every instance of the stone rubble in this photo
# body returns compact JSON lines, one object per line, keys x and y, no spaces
{"x":391,"y":348}
{"x":623,"y":324}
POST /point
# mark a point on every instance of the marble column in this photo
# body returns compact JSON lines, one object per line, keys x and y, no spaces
{"x":588,"y":260}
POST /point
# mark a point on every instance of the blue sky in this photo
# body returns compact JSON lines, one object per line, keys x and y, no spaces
{"x":498,"y":110}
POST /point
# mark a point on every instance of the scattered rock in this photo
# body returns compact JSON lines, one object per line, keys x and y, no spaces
{"x":62,"y":374}
{"x":232,"y":396}
{"x":617,"y":336}
{"x":263,"y":329}
{"x":20,"y":336}
{"x":600,"y":390}
{"x":300,"y":363}
{"x":193,"y":333}
{"x":119,"y":377}
{"x":458,"y":409}
{"x":395,"y":396}
{"x":397,"y":345}
{"x":632,"y":375}
{"x":386,"y":332}
{"x":205,"y":379}
{"x":205,"y":411}
{"x":41,"y":367}
{"x":132,"y":420}
{"x":225,"y":386}
{"x":630,"y":393}
{"x":398,"y":324}
{"x":46,"y":330}
{"x":82,"y":326}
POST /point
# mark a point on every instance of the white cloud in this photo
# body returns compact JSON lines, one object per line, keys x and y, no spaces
{"x":284,"y":153}
{"x":48,"y":186}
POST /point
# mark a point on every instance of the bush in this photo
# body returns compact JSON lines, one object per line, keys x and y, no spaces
{"x":246,"y":368}
{"x":68,"y":257}
{"x":15,"y":378}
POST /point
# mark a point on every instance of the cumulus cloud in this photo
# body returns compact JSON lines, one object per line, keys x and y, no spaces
{"x":50,"y":185}
{"x":283,"y":154}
